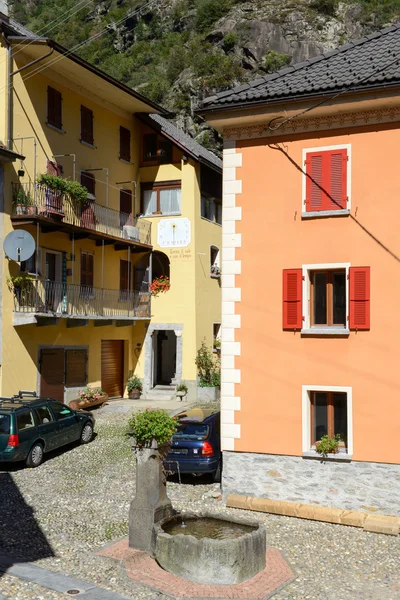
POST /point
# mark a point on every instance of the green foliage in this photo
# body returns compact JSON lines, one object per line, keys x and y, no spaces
{"x":21,"y":196}
{"x":19,"y":282}
{"x":209,"y":11}
{"x":134,"y":383}
{"x":274,"y":61}
{"x":208,"y":367}
{"x":182,"y":388}
{"x":325,"y":7}
{"x":152,"y":424}
{"x":74,"y":192}
{"x":229,"y":41}
{"x":328,"y":445}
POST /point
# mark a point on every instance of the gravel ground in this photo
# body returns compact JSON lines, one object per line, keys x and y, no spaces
{"x":59,"y":514}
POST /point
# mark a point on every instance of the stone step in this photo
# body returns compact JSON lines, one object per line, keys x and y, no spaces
{"x":156,"y":397}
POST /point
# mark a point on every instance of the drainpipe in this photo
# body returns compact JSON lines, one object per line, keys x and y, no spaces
{"x":73,"y":162}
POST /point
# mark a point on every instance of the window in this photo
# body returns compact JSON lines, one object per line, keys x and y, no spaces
{"x":125,"y":144}
{"x":161,"y":199}
{"x":156,"y":149}
{"x":216,"y":337}
{"x":60,"y":411}
{"x":4,"y":424}
{"x":160,"y":265}
{"x":54,"y":108}
{"x":29,"y":266}
{"x":87,"y":264}
{"x":215,"y":270}
{"x":25,"y":420}
{"x":87,"y":125}
{"x":88,"y":180}
{"x":211,"y":210}
{"x":43,"y":415}
{"x":326,"y":180}
{"x":326,"y":299}
{"x":327,"y":411}
{"x":76,"y":367}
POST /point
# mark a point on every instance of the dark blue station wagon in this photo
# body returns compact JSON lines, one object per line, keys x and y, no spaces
{"x":31,"y":426}
{"x":196,"y":445}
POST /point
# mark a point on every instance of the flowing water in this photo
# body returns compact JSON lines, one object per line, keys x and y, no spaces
{"x":215,"y":529}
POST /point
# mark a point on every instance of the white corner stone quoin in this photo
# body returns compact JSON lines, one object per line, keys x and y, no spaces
{"x":231,"y":295}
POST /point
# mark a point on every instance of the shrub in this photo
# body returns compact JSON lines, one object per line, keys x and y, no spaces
{"x":134,"y":383}
{"x":151,"y":425}
{"x":209,"y":11}
{"x":208,"y":367}
{"x":74,"y":192}
{"x":325,"y":7}
{"x":274,"y":61}
{"x":229,"y":41}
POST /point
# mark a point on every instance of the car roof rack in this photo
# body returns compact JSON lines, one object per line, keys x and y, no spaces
{"x":20,"y":398}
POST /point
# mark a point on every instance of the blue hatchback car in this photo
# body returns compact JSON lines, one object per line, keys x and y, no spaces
{"x":196,"y":445}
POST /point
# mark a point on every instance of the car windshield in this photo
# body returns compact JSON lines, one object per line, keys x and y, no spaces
{"x":191,"y":431}
{"x":4,"y":424}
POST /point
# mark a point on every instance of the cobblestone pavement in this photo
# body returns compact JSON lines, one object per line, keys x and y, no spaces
{"x":59,"y":514}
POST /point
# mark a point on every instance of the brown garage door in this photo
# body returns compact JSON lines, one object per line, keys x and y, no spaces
{"x":112,"y":367}
{"x":52,"y":373}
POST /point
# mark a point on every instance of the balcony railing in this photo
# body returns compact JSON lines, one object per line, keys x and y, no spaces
{"x":51,"y":298}
{"x":51,"y":205}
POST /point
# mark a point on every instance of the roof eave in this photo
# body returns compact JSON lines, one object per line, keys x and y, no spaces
{"x":157,"y":127}
{"x":86,"y":65}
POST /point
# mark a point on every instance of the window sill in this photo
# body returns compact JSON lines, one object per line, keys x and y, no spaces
{"x":157,"y":216}
{"x":325,"y":213}
{"x":215,"y":276}
{"x":209,"y":221}
{"x":55,"y":128}
{"x":340,"y":456}
{"x":325,"y":331}
{"x":124,"y":160}
{"x":88,"y":144}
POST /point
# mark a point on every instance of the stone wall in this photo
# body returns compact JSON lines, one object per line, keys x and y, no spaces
{"x":374,"y":487}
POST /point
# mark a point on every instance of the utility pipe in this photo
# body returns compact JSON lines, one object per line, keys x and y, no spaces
{"x":73,"y":162}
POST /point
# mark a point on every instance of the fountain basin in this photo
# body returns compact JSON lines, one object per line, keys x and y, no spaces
{"x":209,"y":549}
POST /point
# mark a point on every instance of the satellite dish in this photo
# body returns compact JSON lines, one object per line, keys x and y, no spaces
{"x":19,"y":245}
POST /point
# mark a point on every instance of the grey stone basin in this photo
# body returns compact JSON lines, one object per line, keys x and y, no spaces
{"x":210,"y":549}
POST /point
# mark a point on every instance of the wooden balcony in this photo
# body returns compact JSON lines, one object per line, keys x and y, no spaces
{"x":37,"y":300}
{"x":54,"y":212}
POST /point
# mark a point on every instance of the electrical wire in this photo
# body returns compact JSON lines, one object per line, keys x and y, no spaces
{"x":90,"y":39}
{"x":333,"y":97}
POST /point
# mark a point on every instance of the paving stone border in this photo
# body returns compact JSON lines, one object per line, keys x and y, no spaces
{"x":56,"y":581}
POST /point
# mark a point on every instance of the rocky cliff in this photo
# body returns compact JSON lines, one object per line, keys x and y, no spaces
{"x":179,"y":51}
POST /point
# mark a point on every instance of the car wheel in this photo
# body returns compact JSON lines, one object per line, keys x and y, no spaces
{"x":35,"y":456}
{"x":216,"y":476}
{"x":87,"y":433}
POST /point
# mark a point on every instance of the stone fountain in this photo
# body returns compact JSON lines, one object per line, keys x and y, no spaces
{"x":198,"y":547}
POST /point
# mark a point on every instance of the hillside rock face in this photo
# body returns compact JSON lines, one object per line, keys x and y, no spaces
{"x":179,"y":51}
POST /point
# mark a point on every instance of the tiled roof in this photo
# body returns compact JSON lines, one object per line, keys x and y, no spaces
{"x":372,"y":61}
{"x":183,"y":139}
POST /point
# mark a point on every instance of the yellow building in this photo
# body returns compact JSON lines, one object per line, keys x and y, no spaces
{"x":79,"y":311}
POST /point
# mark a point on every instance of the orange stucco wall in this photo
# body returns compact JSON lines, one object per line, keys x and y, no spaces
{"x":274,"y":363}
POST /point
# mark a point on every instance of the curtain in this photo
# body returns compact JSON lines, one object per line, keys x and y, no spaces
{"x":149,"y":202}
{"x":170,"y":201}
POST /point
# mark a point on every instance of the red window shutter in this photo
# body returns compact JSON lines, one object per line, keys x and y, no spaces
{"x":292,"y":299}
{"x":54,"y":168}
{"x":337,"y":165}
{"x":326,"y":180}
{"x":359,"y":285}
{"x":314,"y":182}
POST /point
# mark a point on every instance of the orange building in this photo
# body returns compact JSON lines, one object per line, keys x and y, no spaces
{"x":310,"y":290}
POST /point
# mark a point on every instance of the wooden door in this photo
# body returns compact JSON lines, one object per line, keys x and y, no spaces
{"x":112,"y":367}
{"x":52,"y":373}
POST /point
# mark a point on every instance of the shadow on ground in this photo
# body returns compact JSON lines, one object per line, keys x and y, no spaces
{"x":21,"y":538}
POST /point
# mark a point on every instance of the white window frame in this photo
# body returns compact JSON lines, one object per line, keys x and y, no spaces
{"x":218,"y":336}
{"x":307,"y":329}
{"x":307,"y":449}
{"x":217,"y":261}
{"x":325,"y":213}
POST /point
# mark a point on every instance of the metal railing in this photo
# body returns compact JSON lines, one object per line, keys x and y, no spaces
{"x":69,"y":300}
{"x":29,"y":199}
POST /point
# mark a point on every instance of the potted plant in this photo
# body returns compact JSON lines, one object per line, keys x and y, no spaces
{"x":57,"y":188}
{"x":20,"y":200}
{"x":89,"y":397}
{"x":181,"y":391}
{"x":159,"y":285}
{"x":151,"y":428}
{"x":134,"y":386}
{"x":209,"y":374}
{"x":328,"y":445}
